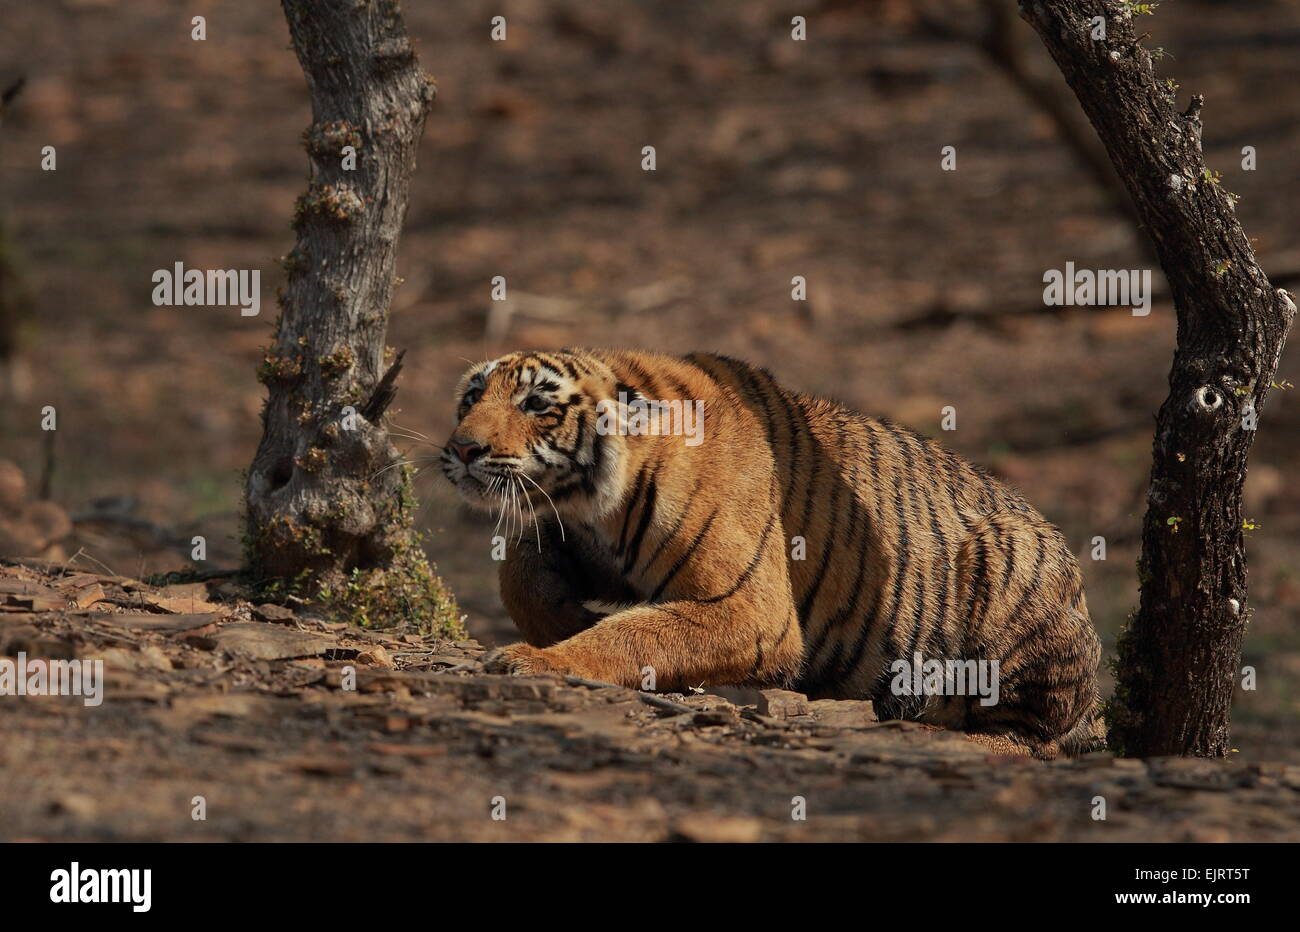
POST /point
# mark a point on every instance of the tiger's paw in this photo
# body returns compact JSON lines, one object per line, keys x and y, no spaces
{"x":521,"y":660}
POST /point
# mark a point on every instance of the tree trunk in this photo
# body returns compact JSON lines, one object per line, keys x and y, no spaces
{"x":1179,"y":657}
{"x":329,"y":511}
{"x":15,"y":298}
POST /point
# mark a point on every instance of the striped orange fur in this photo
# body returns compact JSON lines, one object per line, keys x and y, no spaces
{"x":907,"y":548}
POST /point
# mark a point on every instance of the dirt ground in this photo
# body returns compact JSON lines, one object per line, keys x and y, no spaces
{"x":774,"y":159}
{"x":244,"y":714}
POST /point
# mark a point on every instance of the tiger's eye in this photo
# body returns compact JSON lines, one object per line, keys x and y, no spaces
{"x":535,"y":404}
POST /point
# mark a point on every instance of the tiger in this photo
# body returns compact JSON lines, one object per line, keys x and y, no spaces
{"x":794,"y":544}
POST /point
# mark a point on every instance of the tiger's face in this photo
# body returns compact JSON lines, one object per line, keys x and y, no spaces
{"x":527,"y":435}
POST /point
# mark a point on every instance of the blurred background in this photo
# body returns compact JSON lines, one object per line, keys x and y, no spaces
{"x":775,"y":158}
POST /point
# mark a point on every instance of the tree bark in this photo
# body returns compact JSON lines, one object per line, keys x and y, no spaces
{"x":1179,"y":657}
{"x":328,"y":508}
{"x":15,"y":298}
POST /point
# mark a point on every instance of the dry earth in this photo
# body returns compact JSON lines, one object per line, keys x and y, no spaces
{"x":245,"y":705}
{"x":776,"y":158}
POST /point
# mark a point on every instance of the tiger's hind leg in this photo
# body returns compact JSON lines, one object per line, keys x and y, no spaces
{"x":1048,"y":695}
{"x":1027,"y":614}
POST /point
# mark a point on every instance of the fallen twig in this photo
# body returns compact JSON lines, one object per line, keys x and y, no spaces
{"x":649,"y":699}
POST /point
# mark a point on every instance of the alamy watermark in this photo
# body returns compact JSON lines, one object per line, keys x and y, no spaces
{"x":934,"y":677}
{"x":639,"y":416}
{"x":1102,"y":288}
{"x":212,"y":288}
{"x":39,"y":677}
{"x":88,"y":885}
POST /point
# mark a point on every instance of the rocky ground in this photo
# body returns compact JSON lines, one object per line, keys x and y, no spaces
{"x":249,"y":707}
{"x":775,"y":158}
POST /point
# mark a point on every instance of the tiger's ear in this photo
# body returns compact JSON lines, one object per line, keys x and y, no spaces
{"x":478,"y":371}
{"x":625,"y":394}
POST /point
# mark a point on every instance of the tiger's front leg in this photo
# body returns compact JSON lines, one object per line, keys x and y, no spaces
{"x":671,"y":646}
{"x":544,"y":588}
{"x":723,"y":623}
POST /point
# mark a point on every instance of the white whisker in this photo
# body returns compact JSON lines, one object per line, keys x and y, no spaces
{"x":536,"y":527}
{"x":548,"y":498}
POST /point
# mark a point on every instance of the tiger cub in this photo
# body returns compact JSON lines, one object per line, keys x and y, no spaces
{"x":754,"y":535}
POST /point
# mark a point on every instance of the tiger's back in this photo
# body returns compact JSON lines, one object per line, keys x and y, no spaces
{"x":908,"y":547}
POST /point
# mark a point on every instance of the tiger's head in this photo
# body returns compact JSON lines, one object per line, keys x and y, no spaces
{"x":530,"y":434}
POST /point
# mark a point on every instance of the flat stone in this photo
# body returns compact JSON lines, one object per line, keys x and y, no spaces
{"x":712,"y":829}
{"x":376,"y":656}
{"x":270,"y":642}
{"x":183,"y":598}
{"x":83,"y":590}
{"x":782,"y":703}
{"x":271,"y":612}
{"x":146,"y":621}
{"x":844,"y":713}
{"x":30,"y":596}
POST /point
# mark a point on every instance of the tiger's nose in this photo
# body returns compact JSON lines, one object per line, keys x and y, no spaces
{"x":467,"y":451}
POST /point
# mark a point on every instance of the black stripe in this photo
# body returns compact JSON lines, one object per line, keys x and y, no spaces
{"x":589,"y":473}
{"x":637,"y":488}
{"x":564,"y":361}
{"x":577,"y":440}
{"x":679,"y":387}
{"x":892,"y":647}
{"x":749,"y":570}
{"x":551,"y":365}
{"x":1039,"y":552}
{"x":856,"y":530}
{"x":681,"y":616}
{"x":686,"y":555}
{"x":784,"y":632}
{"x":629,"y":391}
{"x":869,"y":620}
{"x":977,"y":582}
{"x":769,"y":417}
{"x":988,"y":488}
{"x":744,"y":373}
{"x":646,"y":378}
{"x":863,"y":531}
{"x":1000,"y":543}
{"x":888,"y":646}
{"x":559,"y":412}
{"x":833,"y":662}
{"x":758,"y":661}
{"x":677,"y":526}
{"x":806,"y":603}
{"x":916,"y":495}
{"x":793,"y":423}
{"x":647,"y":513}
{"x":1010,"y":538}
{"x":944,"y":567}
{"x":918,"y":619}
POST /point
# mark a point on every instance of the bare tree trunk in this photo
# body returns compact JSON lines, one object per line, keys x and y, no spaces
{"x":326,"y":514}
{"x":1180,"y":655}
{"x":15,"y":299}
